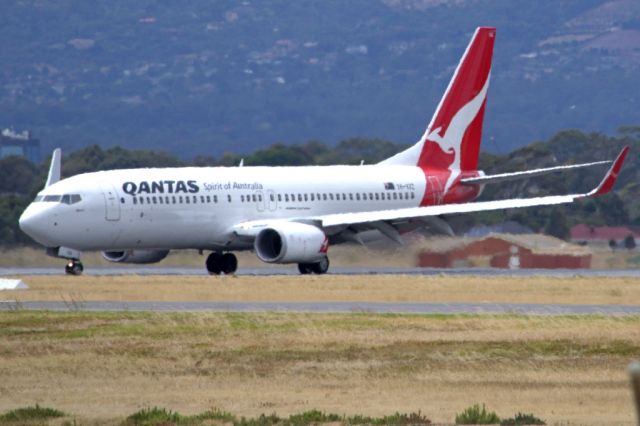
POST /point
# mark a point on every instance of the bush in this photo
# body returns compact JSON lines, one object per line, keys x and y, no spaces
{"x":522,"y":419}
{"x":153,"y":416}
{"x":21,"y":415}
{"x":475,"y":416}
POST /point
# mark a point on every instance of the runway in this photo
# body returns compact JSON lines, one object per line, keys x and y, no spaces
{"x":289,"y":270}
{"x":329,"y":307}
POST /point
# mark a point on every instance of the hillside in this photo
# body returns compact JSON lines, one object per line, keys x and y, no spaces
{"x":199,"y":77}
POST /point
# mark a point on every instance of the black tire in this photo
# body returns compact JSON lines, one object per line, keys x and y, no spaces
{"x":214,"y":263}
{"x":304,"y":268}
{"x":320,"y":267}
{"x":73,"y":267}
{"x":229,"y":263}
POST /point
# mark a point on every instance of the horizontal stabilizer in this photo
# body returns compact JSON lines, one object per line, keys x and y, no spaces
{"x":502,"y":177}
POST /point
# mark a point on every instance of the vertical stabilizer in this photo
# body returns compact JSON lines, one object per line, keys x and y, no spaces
{"x":452,"y":139}
{"x":54,"y":168}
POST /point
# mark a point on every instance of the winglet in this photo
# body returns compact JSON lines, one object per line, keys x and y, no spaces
{"x":54,"y":168}
{"x":610,"y":178}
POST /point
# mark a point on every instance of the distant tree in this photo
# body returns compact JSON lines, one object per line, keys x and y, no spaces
{"x":18,"y":176}
{"x":629,"y":242}
{"x":557,"y":225}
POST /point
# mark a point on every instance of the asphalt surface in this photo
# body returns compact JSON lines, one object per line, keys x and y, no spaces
{"x":289,"y":270}
{"x":329,"y":307}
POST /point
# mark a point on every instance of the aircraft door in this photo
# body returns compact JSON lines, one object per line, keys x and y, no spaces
{"x":111,"y":202}
{"x":272,"y":202}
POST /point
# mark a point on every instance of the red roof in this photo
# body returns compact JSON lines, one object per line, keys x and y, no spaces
{"x":584,"y":232}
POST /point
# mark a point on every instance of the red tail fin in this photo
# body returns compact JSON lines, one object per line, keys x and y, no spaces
{"x":452,"y":139}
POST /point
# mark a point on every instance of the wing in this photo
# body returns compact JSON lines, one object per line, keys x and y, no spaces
{"x":391,"y":223}
{"x":418,"y":212}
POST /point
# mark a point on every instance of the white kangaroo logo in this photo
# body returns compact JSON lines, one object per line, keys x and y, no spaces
{"x":452,"y":139}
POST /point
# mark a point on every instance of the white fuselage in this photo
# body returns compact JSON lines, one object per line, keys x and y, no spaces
{"x":175,"y":208}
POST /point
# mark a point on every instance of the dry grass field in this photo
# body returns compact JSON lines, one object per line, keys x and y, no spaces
{"x":375,"y":288}
{"x":103,"y":366}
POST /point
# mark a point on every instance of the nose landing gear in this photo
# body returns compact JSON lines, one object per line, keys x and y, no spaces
{"x":218,"y":263}
{"x":73,"y":267}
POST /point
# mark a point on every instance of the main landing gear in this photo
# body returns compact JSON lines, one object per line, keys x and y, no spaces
{"x":314,"y":268}
{"x":73,"y":267}
{"x":218,"y":263}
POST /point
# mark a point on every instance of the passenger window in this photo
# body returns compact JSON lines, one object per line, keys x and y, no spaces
{"x":260,"y":197}
{"x":305,"y":197}
{"x":159,"y":200}
{"x":141,"y":200}
{"x":300,"y":197}
{"x":229,"y":198}
{"x":180,"y":199}
{"x":357,"y":196}
{"x":173,"y":199}
{"x":377,"y":196}
{"x":254,"y":198}
{"x":148,"y":200}
{"x":324,"y":197}
{"x":195,"y":199}
{"x":186,"y":199}
{"x":167,"y":200}
{"x":370,"y":196}
{"x":215,"y":199}
{"x":154,"y":200}
{"x":344,"y":197}
{"x":351,"y":197}
{"x":312,"y":197}
{"x":242,"y":198}
{"x":279,"y":197}
{"x":395,"y":196}
{"x":286,"y":198}
{"x":202,"y":199}
{"x":208,"y":198}
{"x":271,"y":197}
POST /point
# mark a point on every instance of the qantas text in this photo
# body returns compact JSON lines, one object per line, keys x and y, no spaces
{"x":161,"y":187}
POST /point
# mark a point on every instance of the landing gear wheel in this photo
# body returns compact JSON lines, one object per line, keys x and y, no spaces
{"x":229,"y":263}
{"x":214,"y":263}
{"x":320,"y":267}
{"x":304,"y":268}
{"x":74,"y":267}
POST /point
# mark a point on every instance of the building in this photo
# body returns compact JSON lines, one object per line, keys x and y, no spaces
{"x":504,"y":251}
{"x":601,"y":235}
{"x":21,"y":144}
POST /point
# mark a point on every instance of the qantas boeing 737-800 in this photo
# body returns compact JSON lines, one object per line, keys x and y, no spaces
{"x":287,"y":214}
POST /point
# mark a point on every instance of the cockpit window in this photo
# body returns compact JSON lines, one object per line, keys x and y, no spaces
{"x":65,"y":199}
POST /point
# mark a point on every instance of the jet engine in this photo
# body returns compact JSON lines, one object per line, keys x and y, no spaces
{"x":135,"y":256}
{"x":291,"y":242}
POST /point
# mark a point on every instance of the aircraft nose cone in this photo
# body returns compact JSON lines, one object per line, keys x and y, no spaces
{"x":34,"y":223}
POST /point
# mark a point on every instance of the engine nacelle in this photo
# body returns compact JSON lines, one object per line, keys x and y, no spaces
{"x":135,"y":256}
{"x":291,"y":242}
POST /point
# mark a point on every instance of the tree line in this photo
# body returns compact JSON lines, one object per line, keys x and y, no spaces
{"x":21,"y":180}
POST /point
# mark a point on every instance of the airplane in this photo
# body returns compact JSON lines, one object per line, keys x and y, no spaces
{"x":288,"y":214}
